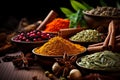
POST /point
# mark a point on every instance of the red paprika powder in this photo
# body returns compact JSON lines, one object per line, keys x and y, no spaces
{"x":57,"y":24}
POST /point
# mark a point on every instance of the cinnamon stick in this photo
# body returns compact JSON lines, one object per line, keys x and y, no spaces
{"x":112,"y":36}
{"x":118,"y":36}
{"x":105,"y":44}
{"x":95,"y":49}
{"x":117,"y":39}
{"x":97,"y":44}
{"x":66,"y":33}
{"x":111,"y":42}
{"x":99,"y":48}
{"x":52,"y":15}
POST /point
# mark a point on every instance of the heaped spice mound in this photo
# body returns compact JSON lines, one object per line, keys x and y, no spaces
{"x":57,"y":24}
{"x":58,"y":46}
{"x":88,"y":35}
{"x":104,"y":60}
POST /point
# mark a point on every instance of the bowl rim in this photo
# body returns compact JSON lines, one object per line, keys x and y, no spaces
{"x":56,"y":55}
{"x":12,"y":39}
{"x":92,"y":15}
{"x":97,"y":70}
{"x":83,"y":41}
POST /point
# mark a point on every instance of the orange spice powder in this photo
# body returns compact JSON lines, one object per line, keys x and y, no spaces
{"x":58,"y":45}
{"x":57,"y":24}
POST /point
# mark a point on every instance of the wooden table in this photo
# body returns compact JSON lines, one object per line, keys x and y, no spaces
{"x":9,"y":72}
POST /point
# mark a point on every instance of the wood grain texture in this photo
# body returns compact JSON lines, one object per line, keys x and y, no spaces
{"x":9,"y":72}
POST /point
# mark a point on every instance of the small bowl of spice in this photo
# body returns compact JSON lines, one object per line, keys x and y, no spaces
{"x":87,"y":37}
{"x":26,"y":41}
{"x":56,"y":47}
{"x":57,"y":24}
{"x":101,"y":16}
{"x":100,"y":62}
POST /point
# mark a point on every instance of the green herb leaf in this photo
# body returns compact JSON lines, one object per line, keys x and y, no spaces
{"x":77,"y":5}
{"x":74,"y":19}
{"x":87,"y":6}
{"x":103,"y":3}
{"x":118,"y":4}
{"x":73,"y":23}
{"x":66,"y":11}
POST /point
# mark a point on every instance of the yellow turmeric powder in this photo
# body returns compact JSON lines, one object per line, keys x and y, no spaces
{"x":57,"y":24}
{"x":57,"y":46}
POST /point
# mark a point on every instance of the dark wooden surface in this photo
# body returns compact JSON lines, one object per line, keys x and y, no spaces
{"x":9,"y":72}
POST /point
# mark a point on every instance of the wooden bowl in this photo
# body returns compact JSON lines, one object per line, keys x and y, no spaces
{"x":86,"y":44}
{"x":27,"y":46}
{"x":94,"y":70}
{"x":48,"y":60}
{"x":95,"y":21}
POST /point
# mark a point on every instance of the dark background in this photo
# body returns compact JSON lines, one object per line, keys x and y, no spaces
{"x":13,"y":11}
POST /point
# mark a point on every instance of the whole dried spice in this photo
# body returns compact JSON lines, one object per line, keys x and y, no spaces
{"x":104,"y":11}
{"x":111,"y":41}
{"x":66,"y":64}
{"x":10,"y":58}
{"x":57,"y":46}
{"x":57,"y":24}
{"x":23,"y":61}
{"x":51,"y":15}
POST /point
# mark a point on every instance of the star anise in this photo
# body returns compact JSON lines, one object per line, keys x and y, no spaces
{"x":9,"y":58}
{"x":66,"y":64}
{"x":23,"y":61}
